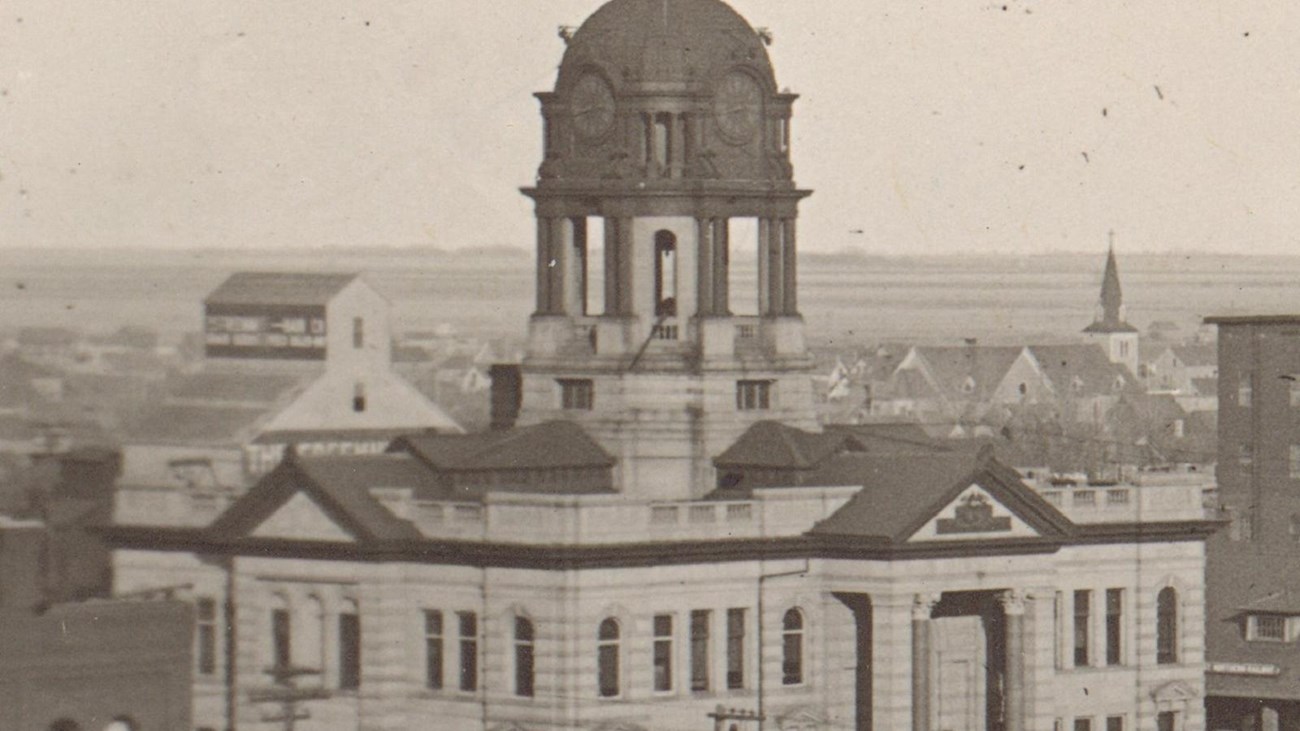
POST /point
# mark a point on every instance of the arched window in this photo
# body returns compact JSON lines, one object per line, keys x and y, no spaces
{"x":665,"y":274}
{"x":792,"y":648}
{"x":607,"y":658}
{"x":1167,"y":626}
{"x":281,"y":638}
{"x":524,"y":657}
{"x":350,"y":646}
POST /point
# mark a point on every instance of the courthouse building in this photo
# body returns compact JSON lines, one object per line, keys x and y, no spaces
{"x":658,"y":536}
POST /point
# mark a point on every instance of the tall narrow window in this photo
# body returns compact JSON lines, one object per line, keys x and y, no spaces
{"x":792,"y":648}
{"x":205,"y":630}
{"x":358,"y":332}
{"x":1293,"y":462}
{"x":468,"y":650}
{"x":1245,"y":389}
{"x":665,"y":274}
{"x":700,"y":649}
{"x":663,"y":144}
{"x":359,"y":397}
{"x":1082,"y":614}
{"x":281,"y":648}
{"x":523,"y":657}
{"x":648,"y":143}
{"x":1083,"y":724}
{"x":1114,"y":723}
{"x":607,"y":660}
{"x":433,"y":649}
{"x":735,"y":648}
{"x":1114,"y":626}
{"x":350,"y":648}
{"x":1167,"y":626}
{"x":1167,"y":721}
{"x":663,"y":652}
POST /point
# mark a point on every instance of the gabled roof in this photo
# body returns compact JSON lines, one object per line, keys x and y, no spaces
{"x":973,"y":369}
{"x":279,"y":288}
{"x":340,"y":486}
{"x":1085,"y":364}
{"x":771,"y":444}
{"x":884,"y":437}
{"x":549,"y":445}
{"x":902,"y":493}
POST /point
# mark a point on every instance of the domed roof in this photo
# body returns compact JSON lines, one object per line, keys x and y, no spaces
{"x":665,"y":41}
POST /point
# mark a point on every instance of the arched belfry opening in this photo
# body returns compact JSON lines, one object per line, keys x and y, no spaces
{"x":667,"y":127}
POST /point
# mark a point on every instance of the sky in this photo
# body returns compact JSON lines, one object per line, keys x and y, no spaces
{"x":923,"y":128}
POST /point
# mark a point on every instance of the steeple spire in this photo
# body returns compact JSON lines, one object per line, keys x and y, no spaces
{"x":1110,"y":312}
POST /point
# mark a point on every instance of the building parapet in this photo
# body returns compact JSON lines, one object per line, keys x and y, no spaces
{"x":607,"y":519}
{"x":1129,"y":503}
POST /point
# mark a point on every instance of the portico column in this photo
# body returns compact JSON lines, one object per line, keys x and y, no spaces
{"x":557,"y":244}
{"x":626,"y":267}
{"x":1013,"y":606}
{"x":613,"y":270}
{"x":764,"y":266}
{"x":775,"y":267}
{"x":543,"y":266}
{"x":922,"y":606}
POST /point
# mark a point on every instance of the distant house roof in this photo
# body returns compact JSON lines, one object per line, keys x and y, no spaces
{"x":1206,"y":386}
{"x":244,"y":388}
{"x":279,"y":288}
{"x":771,"y":444}
{"x":1081,"y":369}
{"x":1197,"y":354}
{"x":190,"y":424}
{"x":549,"y":445}
{"x":974,"y":369}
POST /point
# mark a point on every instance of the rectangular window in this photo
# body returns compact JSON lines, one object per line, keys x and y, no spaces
{"x":1267,"y":628}
{"x":1245,"y":389}
{"x":358,"y":332}
{"x":1245,"y":454}
{"x":433,"y":649}
{"x":280,"y":638}
{"x":700,"y":649}
{"x":206,"y":635}
{"x":1167,"y":721}
{"x":1114,"y":627}
{"x":1083,"y":724}
{"x":576,"y":394}
{"x":663,"y":652}
{"x":753,"y":395}
{"x":1295,"y":393}
{"x":1293,"y":462}
{"x":468,"y":650}
{"x":359,"y":397}
{"x":349,"y":651}
{"x":735,"y":648}
{"x":1082,"y":609}
{"x":1114,"y":723}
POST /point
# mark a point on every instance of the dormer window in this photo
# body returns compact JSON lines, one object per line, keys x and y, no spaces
{"x":1267,"y":628}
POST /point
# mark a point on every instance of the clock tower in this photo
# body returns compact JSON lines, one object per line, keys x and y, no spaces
{"x":665,"y":137}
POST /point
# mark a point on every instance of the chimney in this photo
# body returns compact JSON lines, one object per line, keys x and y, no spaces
{"x":507,"y":394}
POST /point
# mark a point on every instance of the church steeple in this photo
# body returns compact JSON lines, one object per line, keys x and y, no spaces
{"x":1110,"y":326}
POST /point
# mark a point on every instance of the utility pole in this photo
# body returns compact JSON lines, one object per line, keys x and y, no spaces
{"x":288,"y":696}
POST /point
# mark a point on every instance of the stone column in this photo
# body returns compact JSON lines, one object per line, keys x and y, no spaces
{"x":626,"y":266}
{"x":788,"y":268}
{"x":1013,"y":606}
{"x":573,"y":238}
{"x":557,"y":264}
{"x":612,"y":271}
{"x":764,"y":266}
{"x":704,"y":271}
{"x":776,"y":267}
{"x":922,"y":606}
{"x":543,"y":266}
{"x":721,"y":267}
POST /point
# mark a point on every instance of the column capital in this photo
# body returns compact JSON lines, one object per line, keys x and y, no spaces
{"x":923,"y":605}
{"x":1013,"y":601}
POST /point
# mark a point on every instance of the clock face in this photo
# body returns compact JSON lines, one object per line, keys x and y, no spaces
{"x":738,"y":106}
{"x":592,"y":106}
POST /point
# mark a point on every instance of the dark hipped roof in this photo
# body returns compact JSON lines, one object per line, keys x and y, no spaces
{"x":279,"y":288}
{"x":549,"y":445}
{"x":341,"y":486}
{"x":1241,"y":579}
{"x":771,"y":444}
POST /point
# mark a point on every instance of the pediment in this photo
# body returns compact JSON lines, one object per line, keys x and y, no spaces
{"x":301,"y":518}
{"x":1174,"y":691}
{"x":974,"y":515}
